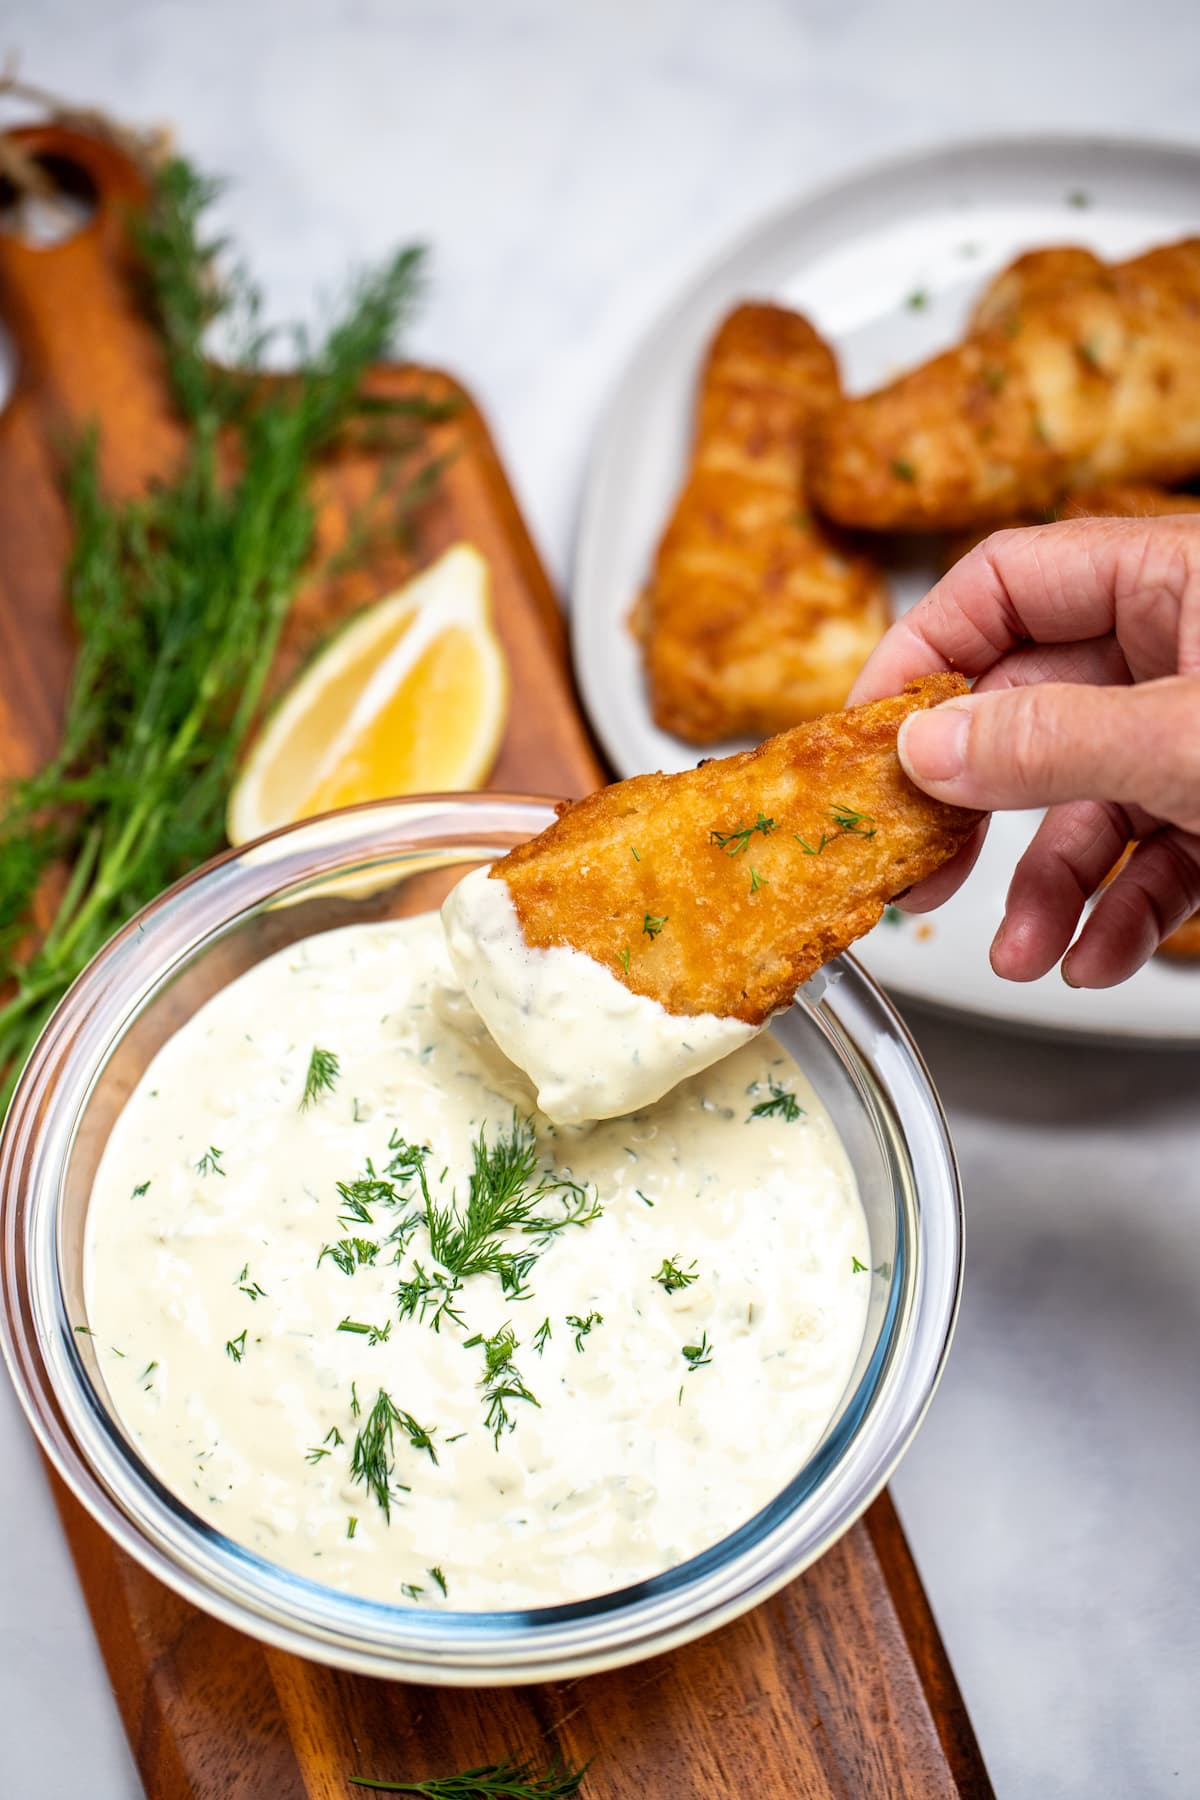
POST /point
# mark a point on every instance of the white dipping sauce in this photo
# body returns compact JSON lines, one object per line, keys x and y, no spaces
{"x":660,"y":1426}
{"x":591,"y":1048}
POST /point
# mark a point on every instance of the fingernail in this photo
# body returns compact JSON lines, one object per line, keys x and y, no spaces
{"x":1065,"y":971}
{"x":933,"y":745}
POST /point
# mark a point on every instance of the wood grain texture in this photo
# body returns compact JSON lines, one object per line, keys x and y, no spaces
{"x":837,"y":1687}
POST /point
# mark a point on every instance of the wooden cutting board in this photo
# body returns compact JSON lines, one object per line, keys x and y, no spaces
{"x":837,"y":1687}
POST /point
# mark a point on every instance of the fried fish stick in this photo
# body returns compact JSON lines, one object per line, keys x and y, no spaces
{"x":1091,"y":381}
{"x":660,"y":922}
{"x":755,"y":617}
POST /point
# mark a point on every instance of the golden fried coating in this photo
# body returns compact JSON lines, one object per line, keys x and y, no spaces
{"x":1089,"y":380}
{"x":1031,"y":277}
{"x":755,"y":617}
{"x":721,"y":889}
{"x":1130,"y":502}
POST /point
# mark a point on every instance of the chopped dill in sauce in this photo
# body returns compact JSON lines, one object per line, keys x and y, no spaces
{"x":323,"y":1070}
{"x":581,"y":1325}
{"x":671,"y":1278}
{"x":782,"y":1104}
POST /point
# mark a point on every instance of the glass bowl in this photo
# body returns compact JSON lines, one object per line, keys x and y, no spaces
{"x":388,"y":860}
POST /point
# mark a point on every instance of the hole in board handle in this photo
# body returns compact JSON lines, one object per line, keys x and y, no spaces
{"x":45,"y":220}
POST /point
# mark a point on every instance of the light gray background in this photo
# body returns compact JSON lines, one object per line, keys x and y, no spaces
{"x":571,"y":162}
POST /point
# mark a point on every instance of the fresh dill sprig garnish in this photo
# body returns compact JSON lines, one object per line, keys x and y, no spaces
{"x":374,"y":1334}
{"x":671,"y":1277}
{"x":756,"y":881}
{"x":848,"y":822}
{"x":625,"y":960}
{"x":581,"y":1326}
{"x":504,"y":1193}
{"x":251,"y":1289}
{"x":351,"y":1526}
{"x":852,"y":823}
{"x":323,"y":1069}
{"x":177,"y":598}
{"x":856,"y":1267}
{"x":429,"y":1297}
{"x":372,"y":1458}
{"x":502,"y":1380}
{"x":333,"y":1437}
{"x":411,"y":1590}
{"x":652,"y":924}
{"x":782,"y":1104}
{"x":504,"y":1780}
{"x":143,"y":1187}
{"x":236,"y":1347}
{"x":437,"y":1576}
{"x":542,"y":1336}
{"x":350,"y":1253}
{"x":737,"y":841}
{"x":210,"y":1162}
{"x":391,"y":1188}
{"x":418,"y":1436}
{"x":697,"y":1355}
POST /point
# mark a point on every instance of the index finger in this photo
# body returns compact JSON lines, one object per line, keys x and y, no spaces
{"x":1048,"y":584}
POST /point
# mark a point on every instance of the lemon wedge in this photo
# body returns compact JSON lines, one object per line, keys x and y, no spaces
{"x":410,"y":698}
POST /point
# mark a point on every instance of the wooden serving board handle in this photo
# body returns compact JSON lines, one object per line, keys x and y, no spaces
{"x":839,"y":1686}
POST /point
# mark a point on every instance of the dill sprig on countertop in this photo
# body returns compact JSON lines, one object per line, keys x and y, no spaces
{"x":178,"y":599}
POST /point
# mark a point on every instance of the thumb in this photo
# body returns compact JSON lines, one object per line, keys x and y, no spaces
{"x":1053,"y":741}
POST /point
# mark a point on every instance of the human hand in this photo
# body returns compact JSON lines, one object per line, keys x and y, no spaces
{"x":1084,"y":639}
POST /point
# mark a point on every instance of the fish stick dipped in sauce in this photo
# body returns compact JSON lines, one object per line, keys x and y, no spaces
{"x":660,"y":923}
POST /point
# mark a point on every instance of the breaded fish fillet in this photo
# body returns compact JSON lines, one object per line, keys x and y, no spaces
{"x":1091,"y":379}
{"x":755,"y":618}
{"x":722,"y":889}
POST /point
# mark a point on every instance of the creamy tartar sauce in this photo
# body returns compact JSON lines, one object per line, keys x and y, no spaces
{"x":591,"y":1048}
{"x":619,"y":1394}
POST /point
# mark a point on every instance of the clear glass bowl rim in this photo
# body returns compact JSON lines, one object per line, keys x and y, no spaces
{"x":835,"y":1487}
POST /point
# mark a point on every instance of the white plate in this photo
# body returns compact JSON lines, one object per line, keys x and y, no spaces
{"x":850,"y":257}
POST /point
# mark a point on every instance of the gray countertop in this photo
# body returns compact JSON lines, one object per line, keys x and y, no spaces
{"x":570,"y":164}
